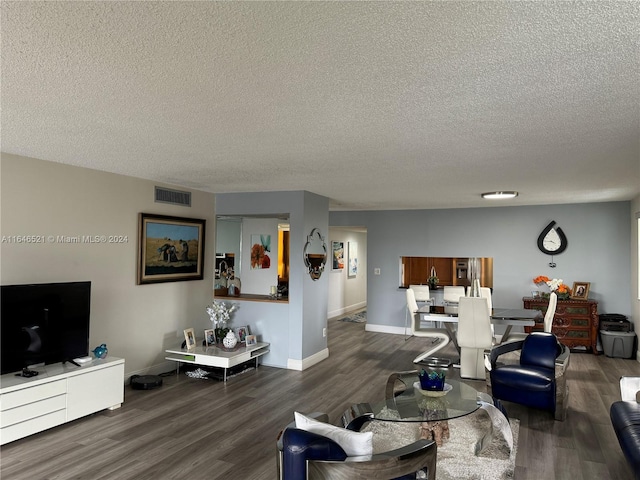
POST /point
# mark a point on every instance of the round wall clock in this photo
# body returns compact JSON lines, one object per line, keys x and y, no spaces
{"x":552,"y":240}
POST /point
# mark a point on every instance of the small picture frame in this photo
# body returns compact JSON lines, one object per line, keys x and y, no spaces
{"x":241,"y":333}
{"x":251,"y":340}
{"x":210,"y":337}
{"x":580,"y":290}
{"x":189,"y":338}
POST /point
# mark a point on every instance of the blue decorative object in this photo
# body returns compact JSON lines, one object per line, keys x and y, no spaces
{"x":432,"y":380}
{"x":101,"y":351}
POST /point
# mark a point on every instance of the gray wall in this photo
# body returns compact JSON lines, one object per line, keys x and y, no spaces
{"x":599,"y":237}
{"x":294,"y":329}
{"x":137,"y":322}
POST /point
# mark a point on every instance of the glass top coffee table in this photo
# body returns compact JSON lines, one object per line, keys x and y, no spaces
{"x":404,"y":403}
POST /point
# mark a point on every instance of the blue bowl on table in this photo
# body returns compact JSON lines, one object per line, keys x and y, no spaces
{"x":432,"y":380}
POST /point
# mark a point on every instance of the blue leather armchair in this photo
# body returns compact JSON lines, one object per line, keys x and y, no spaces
{"x":539,"y":379}
{"x":305,"y":455}
{"x":625,"y":418}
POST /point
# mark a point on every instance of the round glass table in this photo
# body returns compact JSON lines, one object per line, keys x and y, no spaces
{"x":406,"y":402}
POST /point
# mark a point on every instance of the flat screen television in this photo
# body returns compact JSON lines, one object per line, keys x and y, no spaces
{"x":43,"y":324}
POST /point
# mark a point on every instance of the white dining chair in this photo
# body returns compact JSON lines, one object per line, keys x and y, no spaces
{"x":551,"y":311}
{"x":440,"y":336}
{"x":422,"y":293}
{"x":474,"y":336}
{"x":452,"y":294}
{"x":485,"y":292}
{"x":548,"y":321}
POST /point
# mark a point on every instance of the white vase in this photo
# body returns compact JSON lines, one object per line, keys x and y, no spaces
{"x":230,"y":340}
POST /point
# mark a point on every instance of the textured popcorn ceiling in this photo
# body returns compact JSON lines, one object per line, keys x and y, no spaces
{"x":376,"y":105}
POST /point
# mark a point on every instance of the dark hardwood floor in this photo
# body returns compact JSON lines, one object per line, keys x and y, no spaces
{"x":205,"y":429}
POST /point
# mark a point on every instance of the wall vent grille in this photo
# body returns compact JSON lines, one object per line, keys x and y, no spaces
{"x":174,"y":197}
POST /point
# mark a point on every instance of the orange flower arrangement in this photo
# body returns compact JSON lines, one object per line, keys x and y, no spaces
{"x":555,"y":285}
{"x":540,"y":279}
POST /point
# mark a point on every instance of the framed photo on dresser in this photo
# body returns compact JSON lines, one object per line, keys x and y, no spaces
{"x":580,"y":290}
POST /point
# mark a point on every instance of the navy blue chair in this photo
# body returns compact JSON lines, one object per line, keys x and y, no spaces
{"x":305,"y":455}
{"x":625,"y":418}
{"x":539,"y":380}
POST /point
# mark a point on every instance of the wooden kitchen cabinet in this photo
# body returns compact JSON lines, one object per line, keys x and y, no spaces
{"x":418,"y":269}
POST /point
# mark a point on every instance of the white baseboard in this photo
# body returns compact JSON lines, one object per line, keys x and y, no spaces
{"x":158,"y":369}
{"x":307,"y":362}
{"x":385,"y":329}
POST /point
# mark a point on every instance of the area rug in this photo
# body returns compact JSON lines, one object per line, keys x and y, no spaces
{"x":456,"y":459}
{"x":214,"y":373}
{"x":359,"y":317}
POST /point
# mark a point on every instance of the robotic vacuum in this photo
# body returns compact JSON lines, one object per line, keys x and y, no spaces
{"x":145,"y":382}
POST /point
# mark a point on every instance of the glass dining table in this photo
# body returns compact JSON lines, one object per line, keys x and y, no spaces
{"x":506,"y":317}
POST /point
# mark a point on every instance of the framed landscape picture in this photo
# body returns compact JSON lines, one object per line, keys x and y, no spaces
{"x":170,"y":249}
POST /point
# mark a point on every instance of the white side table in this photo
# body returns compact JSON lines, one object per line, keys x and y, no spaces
{"x":218,"y":357}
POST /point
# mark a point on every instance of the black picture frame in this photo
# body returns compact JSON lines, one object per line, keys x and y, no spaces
{"x":170,"y":249}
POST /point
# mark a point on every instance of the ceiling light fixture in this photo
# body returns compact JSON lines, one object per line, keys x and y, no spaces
{"x":499,"y":195}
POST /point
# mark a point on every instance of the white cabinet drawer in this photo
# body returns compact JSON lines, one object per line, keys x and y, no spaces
{"x":87,"y":394}
{"x":32,"y":394}
{"x":33,"y":410}
{"x":35,"y":425}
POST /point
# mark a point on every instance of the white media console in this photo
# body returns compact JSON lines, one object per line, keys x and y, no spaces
{"x":59,"y":393}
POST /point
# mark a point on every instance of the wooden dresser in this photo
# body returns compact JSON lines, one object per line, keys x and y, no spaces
{"x":575,"y":322}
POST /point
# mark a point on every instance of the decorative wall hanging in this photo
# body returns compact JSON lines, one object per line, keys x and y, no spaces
{"x":337,"y":250}
{"x":353,"y":259}
{"x":315,"y":254}
{"x":170,"y":249}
